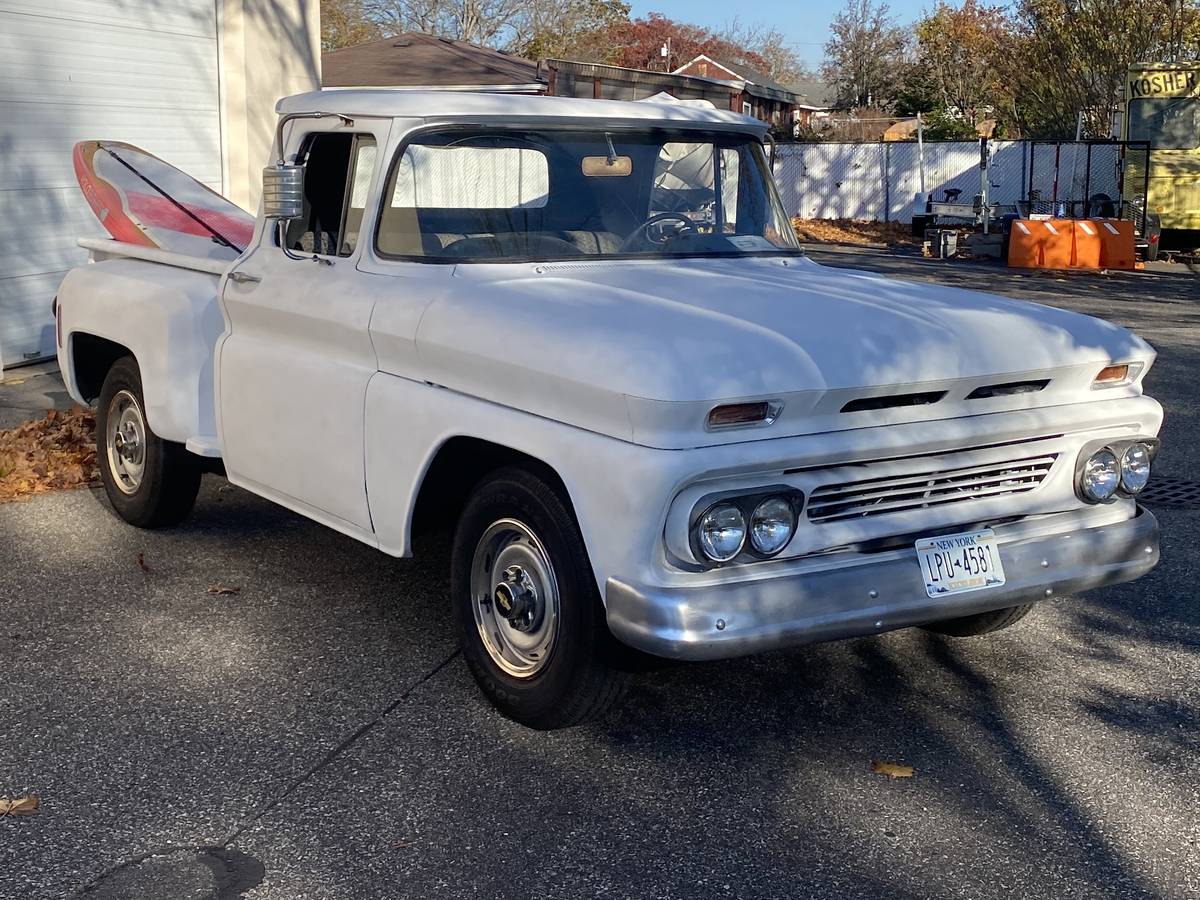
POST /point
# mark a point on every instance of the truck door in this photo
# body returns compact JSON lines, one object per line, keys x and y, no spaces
{"x":293,"y":367}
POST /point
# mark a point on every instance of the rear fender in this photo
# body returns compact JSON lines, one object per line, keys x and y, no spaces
{"x":169,"y":321}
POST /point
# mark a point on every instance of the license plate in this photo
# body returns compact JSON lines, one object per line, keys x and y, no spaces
{"x":957,"y":563}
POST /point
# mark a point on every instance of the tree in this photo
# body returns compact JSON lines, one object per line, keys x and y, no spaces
{"x":345,"y":23}
{"x":767,"y":43}
{"x":574,"y":29}
{"x":865,"y":55}
{"x":493,"y":23}
{"x":942,"y":125}
{"x":959,"y":54}
{"x":637,"y":44}
{"x":1070,"y":57}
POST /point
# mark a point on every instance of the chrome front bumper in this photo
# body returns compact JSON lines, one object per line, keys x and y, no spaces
{"x":715,"y":621}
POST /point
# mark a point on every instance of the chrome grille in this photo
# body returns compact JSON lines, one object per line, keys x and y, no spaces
{"x":921,"y":490}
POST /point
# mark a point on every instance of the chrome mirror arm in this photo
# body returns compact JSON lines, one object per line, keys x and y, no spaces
{"x":280,"y":235}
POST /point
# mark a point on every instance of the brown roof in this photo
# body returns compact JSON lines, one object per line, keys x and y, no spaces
{"x":423,"y":60}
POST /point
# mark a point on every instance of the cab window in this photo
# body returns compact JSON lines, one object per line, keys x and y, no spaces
{"x":337,"y":178}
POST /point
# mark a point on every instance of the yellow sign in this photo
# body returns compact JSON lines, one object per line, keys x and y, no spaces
{"x":1168,"y":83}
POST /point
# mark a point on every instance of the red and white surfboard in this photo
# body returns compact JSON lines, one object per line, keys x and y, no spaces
{"x":142,"y":200}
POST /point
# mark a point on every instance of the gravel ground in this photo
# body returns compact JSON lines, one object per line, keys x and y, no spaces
{"x":318,"y":732}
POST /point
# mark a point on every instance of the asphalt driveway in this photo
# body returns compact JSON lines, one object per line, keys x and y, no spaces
{"x":316,"y":734}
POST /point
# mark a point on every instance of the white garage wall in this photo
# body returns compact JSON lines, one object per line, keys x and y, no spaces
{"x":141,"y":71}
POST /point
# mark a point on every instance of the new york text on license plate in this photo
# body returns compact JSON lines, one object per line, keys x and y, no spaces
{"x":957,"y":563}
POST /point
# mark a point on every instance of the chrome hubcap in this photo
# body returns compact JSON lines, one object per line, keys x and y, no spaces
{"x":515,"y":598}
{"x":125,"y":439}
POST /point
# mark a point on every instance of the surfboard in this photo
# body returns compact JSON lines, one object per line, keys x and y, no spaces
{"x":140,"y":199}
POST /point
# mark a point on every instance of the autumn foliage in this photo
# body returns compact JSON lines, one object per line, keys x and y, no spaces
{"x":637,"y":43}
{"x":48,"y":454}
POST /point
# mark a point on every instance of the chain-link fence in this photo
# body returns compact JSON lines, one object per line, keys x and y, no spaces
{"x":879,"y":181}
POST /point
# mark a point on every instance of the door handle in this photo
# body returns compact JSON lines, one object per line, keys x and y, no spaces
{"x":244,"y":278}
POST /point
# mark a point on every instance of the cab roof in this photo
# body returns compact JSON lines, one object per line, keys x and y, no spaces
{"x":450,"y":106}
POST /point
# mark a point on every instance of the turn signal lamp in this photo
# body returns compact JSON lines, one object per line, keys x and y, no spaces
{"x":740,"y":415}
{"x":1117,"y":375}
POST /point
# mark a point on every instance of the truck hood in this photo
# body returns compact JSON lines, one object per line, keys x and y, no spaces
{"x":642,"y":350}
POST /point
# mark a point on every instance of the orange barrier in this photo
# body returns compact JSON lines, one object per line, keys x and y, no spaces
{"x":1058,"y":243}
{"x":1071,"y":244}
{"x":1024,"y":244}
{"x":1117,"y":247}
{"x":1041,"y":243}
{"x":1087,"y":244}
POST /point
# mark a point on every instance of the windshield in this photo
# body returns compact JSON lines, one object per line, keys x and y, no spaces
{"x":545,"y":195}
{"x":1167,"y":123}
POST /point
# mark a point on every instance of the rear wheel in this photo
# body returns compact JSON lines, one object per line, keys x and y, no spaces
{"x":532,"y":624}
{"x":981,"y":623}
{"x":150,"y":482}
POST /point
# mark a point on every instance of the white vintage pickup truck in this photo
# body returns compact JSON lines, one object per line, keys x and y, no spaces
{"x":583,"y":332}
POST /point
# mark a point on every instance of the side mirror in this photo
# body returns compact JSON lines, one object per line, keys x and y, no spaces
{"x":283,"y":192}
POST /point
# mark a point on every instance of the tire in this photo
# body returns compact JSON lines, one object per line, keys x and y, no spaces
{"x":980,"y":623}
{"x":520,"y":575}
{"x":151,"y":483}
{"x":1152,"y":231}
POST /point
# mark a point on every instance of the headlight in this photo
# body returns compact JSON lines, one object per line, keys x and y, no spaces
{"x":771,"y":525}
{"x":1135,"y":467}
{"x":721,"y":532}
{"x":1101,"y":476}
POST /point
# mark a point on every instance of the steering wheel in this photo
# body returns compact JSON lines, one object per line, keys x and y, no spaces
{"x":642,"y":233}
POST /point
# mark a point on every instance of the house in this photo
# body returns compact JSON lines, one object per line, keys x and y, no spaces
{"x":567,"y":78}
{"x":758,"y":95}
{"x":725,"y":85}
{"x":425,"y":61}
{"x":764,"y":99}
{"x":184,"y":79}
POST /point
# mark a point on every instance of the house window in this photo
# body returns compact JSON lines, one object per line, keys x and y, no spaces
{"x":747,"y":109}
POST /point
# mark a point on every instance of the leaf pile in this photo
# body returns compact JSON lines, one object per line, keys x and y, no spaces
{"x":48,"y":454}
{"x":847,"y":231}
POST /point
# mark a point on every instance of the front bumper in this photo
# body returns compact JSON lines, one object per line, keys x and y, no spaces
{"x":715,"y":621}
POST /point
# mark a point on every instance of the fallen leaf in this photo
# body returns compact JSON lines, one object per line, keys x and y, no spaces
{"x":141,"y":561}
{"x":219,"y":588}
{"x":18,"y":806}
{"x":891,"y":769}
{"x":401,"y":845}
{"x":35,"y":455}
{"x":846,"y":231}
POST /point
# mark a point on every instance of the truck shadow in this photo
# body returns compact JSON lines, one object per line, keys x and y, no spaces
{"x":1033,"y":743}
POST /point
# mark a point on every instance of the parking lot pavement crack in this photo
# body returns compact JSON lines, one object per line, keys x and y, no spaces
{"x":336,"y":752}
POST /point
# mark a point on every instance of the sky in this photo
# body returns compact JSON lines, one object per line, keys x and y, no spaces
{"x":805,"y":24}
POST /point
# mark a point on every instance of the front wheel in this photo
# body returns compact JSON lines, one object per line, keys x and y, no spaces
{"x":981,"y":623}
{"x":532,"y":624}
{"x":150,"y":482}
